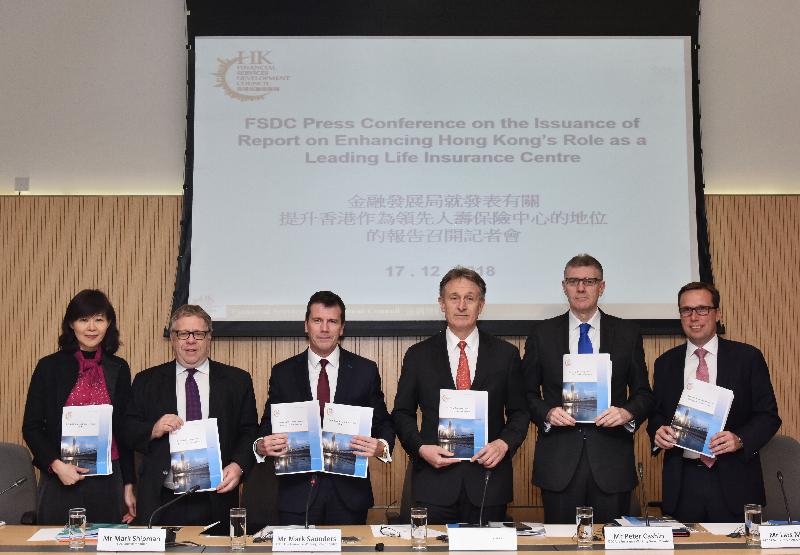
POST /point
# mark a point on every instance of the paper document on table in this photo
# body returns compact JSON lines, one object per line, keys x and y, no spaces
{"x":45,"y":535}
{"x":402,"y":531}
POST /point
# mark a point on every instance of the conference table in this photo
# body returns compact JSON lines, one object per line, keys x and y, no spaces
{"x":13,"y":539}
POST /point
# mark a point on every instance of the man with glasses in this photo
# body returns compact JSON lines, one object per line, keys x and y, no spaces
{"x":191,"y":387}
{"x":698,"y":488}
{"x":585,"y":464}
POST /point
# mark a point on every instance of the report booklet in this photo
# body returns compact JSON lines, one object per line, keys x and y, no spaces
{"x":86,"y":438}
{"x":463,"y":421}
{"x":702,"y":411}
{"x":195,"y":456}
{"x":340,"y":424}
{"x":586,"y":391}
{"x":300,"y":422}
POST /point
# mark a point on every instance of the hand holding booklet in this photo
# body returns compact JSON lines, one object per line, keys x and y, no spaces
{"x":586,"y":390}
{"x":86,"y":438}
{"x":195,"y":456}
{"x":463,"y":421}
{"x":341,"y":423}
{"x":328,"y":449}
{"x":702,"y":412}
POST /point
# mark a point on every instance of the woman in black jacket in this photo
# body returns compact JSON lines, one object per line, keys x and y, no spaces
{"x":84,"y":371}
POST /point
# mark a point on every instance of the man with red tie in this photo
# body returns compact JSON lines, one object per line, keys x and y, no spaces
{"x":325,"y":372}
{"x":461,"y":357}
{"x":705,"y":489}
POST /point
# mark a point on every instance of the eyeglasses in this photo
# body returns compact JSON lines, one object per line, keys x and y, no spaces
{"x":587,"y":282}
{"x":184,"y":335}
{"x":389,"y":531}
{"x":686,"y":311}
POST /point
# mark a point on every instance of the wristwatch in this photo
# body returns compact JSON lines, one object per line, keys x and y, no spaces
{"x":739,"y":442}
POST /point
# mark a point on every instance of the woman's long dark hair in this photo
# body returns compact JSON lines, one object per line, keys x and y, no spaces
{"x":89,"y":302}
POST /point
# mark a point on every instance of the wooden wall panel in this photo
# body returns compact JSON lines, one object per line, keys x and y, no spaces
{"x":53,"y":246}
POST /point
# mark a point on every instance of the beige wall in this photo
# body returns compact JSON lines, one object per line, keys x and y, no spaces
{"x":53,"y":246}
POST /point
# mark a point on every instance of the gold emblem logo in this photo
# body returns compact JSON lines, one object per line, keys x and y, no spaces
{"x":249,"y":76}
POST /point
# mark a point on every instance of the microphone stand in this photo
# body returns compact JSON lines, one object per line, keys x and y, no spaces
{"x":170,"y":538}
{"x":14,"y":485}
{"x":312,"y":482}
{"x":785,"y":501}
{"x":483,"y":497}
{"x":643,"y":494}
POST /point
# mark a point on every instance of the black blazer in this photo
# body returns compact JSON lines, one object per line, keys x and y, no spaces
{"x":753,"y":417}
{"x":609,"y":450}
{"x":359,"y":384}
{"x":426,"y":370}
{"x":51,"y":383}
{"x":231,"y":401}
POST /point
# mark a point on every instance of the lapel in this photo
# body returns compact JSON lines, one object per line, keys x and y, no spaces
{"x":606,"y":334}
{"x":484,"y":364}
{"x":110,"y":373}
{"x":346,"y":376}
{"x":301,"y":375}
{"x":67,"y":377}
{"x":167,"y":378}
{"x":441,"y":362}
{"x":216,"y":389}
{"x":678,"y":365}
{"x":562,"y":335}
{"x":726,"y":366}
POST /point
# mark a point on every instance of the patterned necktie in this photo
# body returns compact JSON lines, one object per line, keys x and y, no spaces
{"x":702,"y":365}
{"x":193,"y":410}
{"x":702,"y":375}
{"x":323,"y":386}
{"x":462,"y":373}
{"x":584,"y":343}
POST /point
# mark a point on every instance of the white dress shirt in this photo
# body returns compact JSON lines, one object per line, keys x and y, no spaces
{"x":454,"y":352}
{"x":201,"y":377}
{"x":332,"y":369}
{"x":575,"y":332}
{"x":690,"y":371}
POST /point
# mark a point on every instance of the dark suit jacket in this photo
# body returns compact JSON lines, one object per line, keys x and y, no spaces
{"x":609,"y":450}
{"x":426,"y":370}
{"x":52,"y":381}
{"x":231,"y":401}
{"x":358,"y":384}
{"x":753,"y":417}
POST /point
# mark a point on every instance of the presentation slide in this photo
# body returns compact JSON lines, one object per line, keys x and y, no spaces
{"x":370,"y":166}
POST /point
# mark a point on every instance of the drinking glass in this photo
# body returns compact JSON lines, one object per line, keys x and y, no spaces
{"x":752,"y":524}
{"x":419,"y":528}
{"x":584,"y":519}
{"x":238,"y":530}
{"x":77,"y":528}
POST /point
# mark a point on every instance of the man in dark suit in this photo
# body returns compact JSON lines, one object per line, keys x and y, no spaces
{"x":705,"y":489}
{"x":461,"y":357}
{"x":190,"y":388}
{"x":325,"y":372}
{"x":585,"y":464}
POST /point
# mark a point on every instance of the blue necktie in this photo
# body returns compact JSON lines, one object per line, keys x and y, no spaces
{"x":584,"y":343}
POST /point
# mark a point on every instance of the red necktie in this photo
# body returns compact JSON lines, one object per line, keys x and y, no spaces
{"x":323,"y":386}
{"x":462,"y":373}
{"x":702,"y":375}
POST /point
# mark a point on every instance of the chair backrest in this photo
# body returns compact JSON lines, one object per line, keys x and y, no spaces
{"x":260,"y":496}
{"x":16,"y":464}
{"x":782,"y":453}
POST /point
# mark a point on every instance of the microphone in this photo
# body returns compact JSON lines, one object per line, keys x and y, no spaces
{"x":643,"y":494}
{"x":312,"y":482}
{"x":25,"y":479}
{"x":785,"y":501}
{"x":167,"y":504}
{"x":488,"y":475}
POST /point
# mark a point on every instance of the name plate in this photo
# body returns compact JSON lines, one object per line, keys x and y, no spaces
{"x":780,"y":536}
{"x":481,"y":539}
{"x":131,"y":539}
{"x":638,"y":537}
{"x":306,"y":539}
